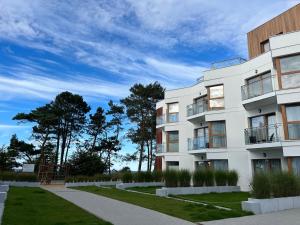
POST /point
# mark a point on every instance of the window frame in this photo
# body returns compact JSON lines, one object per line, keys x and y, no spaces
{"x":172,"y":142}
{"x":262,"y":46}
{"x":286,"y":122}
{"x":211,"y":134}
{"x":173,"y":113}
{"x":209,"y":97}
{"x":280,"y":73}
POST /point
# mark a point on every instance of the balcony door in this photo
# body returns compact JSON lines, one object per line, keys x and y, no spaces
{"x":263,"y":129}
{"x":201,"y":138}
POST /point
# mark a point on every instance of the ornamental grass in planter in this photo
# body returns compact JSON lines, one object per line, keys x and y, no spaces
{"x":127,"y":177}
{"x":261,"y":186}
{"x":232,"y":178}
{"x":284,"y":184}
{"x":199,"y":178}
{"x":221,"y":178}
{"x":171,"y":178}
{"x":184,"y":178}
{"x":209,"y":178}
{"x":157,"y":176}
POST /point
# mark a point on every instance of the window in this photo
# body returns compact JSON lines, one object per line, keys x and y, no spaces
{"x":293,"y":121}
{"x":289,"y":71}
{"x":217,"y":134}
{"x":220,"y":164}
{"x":258,"y":85}
{"x":201,"y":138}
{"x":265,"y":46}
{"x":266,"y":165}
{"x":172,"y":165}
{"x":173,"y":140}
{"x":173,"y":109}
{"x":216,"y":97}
{"x":296,"y":165}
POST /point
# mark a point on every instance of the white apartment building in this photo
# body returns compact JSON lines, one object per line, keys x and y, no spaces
{"x":241,"y":115}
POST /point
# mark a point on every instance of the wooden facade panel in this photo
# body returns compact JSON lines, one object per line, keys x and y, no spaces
{"x":159,"y":136}
{"x":288,"y":21}
{"x":159,"y":111}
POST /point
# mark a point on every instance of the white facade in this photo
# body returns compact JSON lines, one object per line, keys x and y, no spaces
{"x":236,"y":114}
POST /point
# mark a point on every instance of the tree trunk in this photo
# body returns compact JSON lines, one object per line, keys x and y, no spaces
{"x":57,"y":147}
{"x":68,"y":146}
{"x":141,"y":157}
{"x":148,"y":156}
{"x":151,"y":154}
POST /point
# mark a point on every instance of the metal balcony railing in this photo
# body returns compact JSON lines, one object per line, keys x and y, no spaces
{"x":197,"y":143}
{"x":265,"y":134}
{"x":258,"y":88}
{"x":228,"y":62}
{"x":196,"y":108}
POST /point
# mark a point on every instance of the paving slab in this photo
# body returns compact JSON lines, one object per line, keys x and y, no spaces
{"x":114,"y":211}
{"x":287,"y":217}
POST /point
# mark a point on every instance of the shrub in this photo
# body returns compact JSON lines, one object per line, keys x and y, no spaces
{"x":209,"y":177}
{"x":284,"y":184}
{"x":157,"y":176}
{"x":261,"y":186}
{"x":127,"y":177}
{"x":232,"y":178}
{"x":12,"y":176}
{"x":199,"y":178}
{"x":171,"y":178}
{"x":143,"y":177}
{"x":184,"y":178}
{"x":221,"y":178}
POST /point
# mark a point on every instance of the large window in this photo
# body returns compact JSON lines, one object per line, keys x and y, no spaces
{"x":266,"y":165}
{"x":173,"y":112}
{"x":293,"y":121}
{"x":173,"y":140}
{"x":289,"y":71}
{"x":217,"y":134}
{"x":172,"y":165}
{"x":216,"y":97}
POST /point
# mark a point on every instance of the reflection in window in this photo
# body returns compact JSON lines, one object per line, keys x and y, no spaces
{"x":173,"y":140}
{"x":290,"y":71}
{"x":293,"y":121}
{"x":216,"y":97}
{"x":217,"y":134}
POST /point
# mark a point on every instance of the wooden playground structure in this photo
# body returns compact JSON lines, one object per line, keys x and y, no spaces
{"x":52,"y":172}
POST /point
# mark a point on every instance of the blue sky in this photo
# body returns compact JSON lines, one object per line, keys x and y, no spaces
{"x":100,"y":48}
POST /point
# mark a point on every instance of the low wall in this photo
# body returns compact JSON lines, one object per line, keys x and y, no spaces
{"x":20,"y":183}
{"x":141,"y":184}
{"x":3,"y":196}
{"x":262,"y":206}
{"x":195,"y":190}
{"x":4,"y":188}
{"x":98,"y":183}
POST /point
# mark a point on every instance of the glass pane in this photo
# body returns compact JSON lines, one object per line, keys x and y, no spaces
{"x":218,"y":128}
{"x":272,"y":131}
{"x":294,"y":131}
{"x":254,"y":89}
{"x":267,"y":85}
{"x":296,"y":165}
{"x":218,"y":141}
{"x":220,"y":165}
{"x":291,"y":63}
{"x":173,"y":147}
{"x":217,"y":103}
{"x":293,"y":113}
{"x":216,"y":91}
{"x":275,"y":165}
{"x":173,"y":117}
{"x":173,"y":136}
{"x":260,"y":165}
{"x":266,"y":46}
{"x":257,"y":121}
{"x":291,"y":80}
{"x":173,"y":108}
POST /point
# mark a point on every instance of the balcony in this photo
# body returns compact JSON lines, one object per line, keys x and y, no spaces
{"x":258,"y":93}
{"x":197,"y":143}
{"x":266,"y":136}
{"x":227,"y":63}
{"x":160,"y":148}
{"x":160,"y":120}
{"x":196,"y":108}
{"x":172,"y":117}
{"x":165,"y":148}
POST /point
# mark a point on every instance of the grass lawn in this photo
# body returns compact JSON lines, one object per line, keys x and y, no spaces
{"x":149,"y":190}
{"x":228,"y":200}
{"x":184,"y":210}
{"x":34,"y":206}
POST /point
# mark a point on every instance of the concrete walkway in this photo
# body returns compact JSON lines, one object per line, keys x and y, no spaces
{"x":287,"y":217}
{"x":116,"y":212}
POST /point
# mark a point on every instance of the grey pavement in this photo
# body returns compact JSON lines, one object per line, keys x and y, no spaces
{"x":116,"y":212}
{"x":287,"y":217}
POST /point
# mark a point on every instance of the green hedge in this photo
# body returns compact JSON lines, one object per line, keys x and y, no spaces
{"x":96,"y":178}
{"x":12,"y":176}
{"x":282,"y":184}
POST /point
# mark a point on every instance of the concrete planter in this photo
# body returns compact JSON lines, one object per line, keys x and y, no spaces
{"x":195,"y":190}
{"x":3,"y":196}
{"x":1,"y":211}
{"x":262,"y":206}
{"x":20,"y":183}
{"x":96,"y":183}
{"x":142,"y":184}
{"x":4,"y":188}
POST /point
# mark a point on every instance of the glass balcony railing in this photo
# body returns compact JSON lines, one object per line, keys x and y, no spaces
{"x":197,"y":143}
{"x":196,"y":108}
{"x":160,"y":148}
{"x":228,"y":62}
{"x":265,"y":134}
{"x":172,"y":147}
{"x":160,"y":120}
{"x":257,"y":88}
